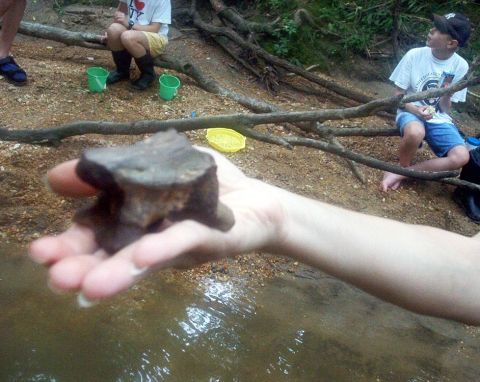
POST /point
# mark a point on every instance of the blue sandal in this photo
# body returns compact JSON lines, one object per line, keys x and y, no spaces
{"x":12,"y":72}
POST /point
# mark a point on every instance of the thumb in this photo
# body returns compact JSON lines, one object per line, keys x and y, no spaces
{"x":63,"y":180}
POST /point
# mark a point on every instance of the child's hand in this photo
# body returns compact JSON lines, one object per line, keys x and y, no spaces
{"x":426,"y":112}
{"x":104,"y":38}
{"x":120,"y":18}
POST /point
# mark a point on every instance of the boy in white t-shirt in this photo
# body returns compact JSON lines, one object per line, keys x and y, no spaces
{"x":140,"y":31}
{"x":435,"y":65}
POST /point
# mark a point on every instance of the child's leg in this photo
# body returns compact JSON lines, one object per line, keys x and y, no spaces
{"x":12,"y":15}
{"x":114,"y":33}
{"x":121,"y":56}
{"x":412,"y":131}
{"x":413,"y":135}
{"x":138,"y":44}
{"x":447,"y":144}
{"x":135,"y":42}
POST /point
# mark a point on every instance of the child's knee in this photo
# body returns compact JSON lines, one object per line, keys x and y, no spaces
{"x":414,"y":132}
{"x":115,"y":30}
{"x":459,"y":156}
{"x":127,"y":37}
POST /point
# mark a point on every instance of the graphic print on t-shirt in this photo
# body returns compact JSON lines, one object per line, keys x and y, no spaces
{"x":433,"y":81}
{"x":135,"y":8}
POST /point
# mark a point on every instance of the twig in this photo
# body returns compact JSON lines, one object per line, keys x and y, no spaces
{"x":353,"y":165}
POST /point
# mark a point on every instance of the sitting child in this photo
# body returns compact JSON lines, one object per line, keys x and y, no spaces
{"x":140,"y":31}
{"x":436,"y":65}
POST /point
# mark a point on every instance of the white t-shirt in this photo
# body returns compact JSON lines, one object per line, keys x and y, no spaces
{"x":145,"y":12}
{"x":419,"y":70}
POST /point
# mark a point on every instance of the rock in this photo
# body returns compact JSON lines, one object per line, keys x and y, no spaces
{"x":141,"y":185}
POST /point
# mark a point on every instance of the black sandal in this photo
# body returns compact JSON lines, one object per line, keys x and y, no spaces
{"x":12,"y":72}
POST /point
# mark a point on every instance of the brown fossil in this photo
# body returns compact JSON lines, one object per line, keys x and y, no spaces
{"x":163,"y":177}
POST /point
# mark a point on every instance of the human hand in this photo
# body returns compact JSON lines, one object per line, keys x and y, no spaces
{"x":104,"y":38}
{"x":426,"y":112}
{"x":76,"y":263}
{"x":120,"y":18}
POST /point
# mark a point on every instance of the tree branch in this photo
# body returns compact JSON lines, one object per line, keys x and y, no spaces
{"x":236,"y":19}
{"x":235,"y":37}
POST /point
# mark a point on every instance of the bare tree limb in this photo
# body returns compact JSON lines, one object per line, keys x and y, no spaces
{"x":353,"y":165}
{"x":235,"y":37}
{"x":230,"y":121}
{"x":83,"y":39}
{"x":239,"y":122}
{"x":242,"y":25}
{"x":92,"y":41}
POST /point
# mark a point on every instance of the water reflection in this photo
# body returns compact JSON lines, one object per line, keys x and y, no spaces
{"x":165,"y":330}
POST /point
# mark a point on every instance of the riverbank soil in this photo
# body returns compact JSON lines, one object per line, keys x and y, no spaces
{"x":57,"y":94}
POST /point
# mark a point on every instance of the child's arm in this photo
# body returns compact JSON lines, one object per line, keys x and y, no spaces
{"x":122,"y":7}
{"x":445,"y":103}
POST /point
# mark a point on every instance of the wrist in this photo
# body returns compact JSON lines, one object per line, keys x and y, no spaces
{"x":299,"y":223}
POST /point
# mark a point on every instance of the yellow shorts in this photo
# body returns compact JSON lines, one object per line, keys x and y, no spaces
{"x":156,"y":42}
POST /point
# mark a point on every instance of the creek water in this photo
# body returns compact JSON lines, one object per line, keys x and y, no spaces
{"x":309,"y":328}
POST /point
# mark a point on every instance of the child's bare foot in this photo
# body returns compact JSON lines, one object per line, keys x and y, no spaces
{"x":391,"y":181}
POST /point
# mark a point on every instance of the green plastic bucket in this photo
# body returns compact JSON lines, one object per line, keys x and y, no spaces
{"x":168,"y":87}
{"x":97,"y":79}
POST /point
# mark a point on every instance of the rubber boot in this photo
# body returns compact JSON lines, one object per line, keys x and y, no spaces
{"x":147,"y":72}
{"x":122,"y":59}
{"x":467,"y":198}
{"x":469,"y":201}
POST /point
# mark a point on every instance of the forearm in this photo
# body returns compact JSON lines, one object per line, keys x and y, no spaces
{"x":410,"y":107}
{"x":122,"y":7}
{"x":445,"y":104}
{"x":421,"y":268}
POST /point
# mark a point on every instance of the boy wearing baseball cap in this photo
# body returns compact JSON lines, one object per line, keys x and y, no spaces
{"x":433,"y":66}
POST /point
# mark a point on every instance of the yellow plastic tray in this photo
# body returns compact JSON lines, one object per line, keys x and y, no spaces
{"x":225,"y":140}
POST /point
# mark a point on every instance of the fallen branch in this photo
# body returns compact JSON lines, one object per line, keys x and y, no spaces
{"x":353,"y":165}
{"x":239,"y":122}
{"x":93,"y":41}
{"x":83,"y":39}
{"x":243,"y":25}
{"x":56,"y":134}
{"x":239,"y":40}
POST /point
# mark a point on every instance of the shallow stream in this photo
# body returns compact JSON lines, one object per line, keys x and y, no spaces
{"x":309,"y":328}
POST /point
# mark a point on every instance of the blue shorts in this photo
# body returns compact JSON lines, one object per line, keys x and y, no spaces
{"x":441,"y":137}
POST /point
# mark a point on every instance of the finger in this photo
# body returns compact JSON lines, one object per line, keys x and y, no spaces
{"x":162,"y":249}
{"x":64,"y":180}
{"x":68,"y":274}
{"x":50,"y":249}
{"x":111,"y":276}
